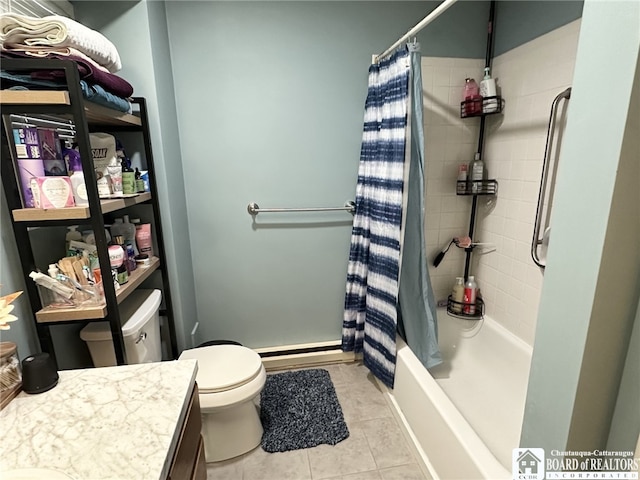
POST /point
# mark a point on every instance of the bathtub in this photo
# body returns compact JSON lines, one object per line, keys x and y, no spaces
{"x":465,"y":415}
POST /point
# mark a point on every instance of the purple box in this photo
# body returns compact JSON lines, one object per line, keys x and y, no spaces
{"x":27,"y":170}
{"x":27,"y":143}
{"x":50,"y":145}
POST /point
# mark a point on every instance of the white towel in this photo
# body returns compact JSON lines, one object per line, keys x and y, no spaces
{"x":58,"y":32}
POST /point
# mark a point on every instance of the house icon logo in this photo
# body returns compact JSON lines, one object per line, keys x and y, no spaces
{"x":528,"y":464}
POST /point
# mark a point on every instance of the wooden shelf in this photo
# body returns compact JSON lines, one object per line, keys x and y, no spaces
{"x":96,"y":114}
{"x":53,"y":315}
{"x":77,"y":213}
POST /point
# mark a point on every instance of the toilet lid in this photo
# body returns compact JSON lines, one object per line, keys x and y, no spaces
{"x":223,"y":367}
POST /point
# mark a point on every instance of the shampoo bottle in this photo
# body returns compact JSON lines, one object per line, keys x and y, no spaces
{"x":457,"y":295}
{"x":488,"y":92}
{"x":470,"y":293}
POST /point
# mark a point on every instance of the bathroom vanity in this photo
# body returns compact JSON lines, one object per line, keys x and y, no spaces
{"x":131,"y":421}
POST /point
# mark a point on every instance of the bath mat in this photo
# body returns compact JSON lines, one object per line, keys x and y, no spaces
{"x":300,"y":410}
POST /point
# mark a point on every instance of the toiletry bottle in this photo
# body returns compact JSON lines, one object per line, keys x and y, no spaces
{"x":472,"y":98}
{"x":117,"y":228}
{"x":116,"y":258}
{"x":488,"y":92}
{"x":76,"y":174}
{"x":139,"y":181}
{"x":53,"y":270}
{"x":72,"y":234}
{"x":128,"y":178}
{"x":143,"y":239}
{"x":477,"y":173}
{"x":129,"y":234}
{"x":457,"y":295}
{"x":469,"y":299}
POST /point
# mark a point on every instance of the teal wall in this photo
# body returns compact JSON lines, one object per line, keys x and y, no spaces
{"x":270,"y":99}
{"x":519,"y":21}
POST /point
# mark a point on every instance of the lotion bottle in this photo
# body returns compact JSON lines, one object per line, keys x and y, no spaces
{"x":488,"y":89}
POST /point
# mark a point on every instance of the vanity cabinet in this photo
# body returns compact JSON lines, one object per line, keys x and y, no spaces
{"x":189,"y":460}
{"x":65,"y":109}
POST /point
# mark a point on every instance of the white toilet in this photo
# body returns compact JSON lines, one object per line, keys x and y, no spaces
{"x":230,"y":379}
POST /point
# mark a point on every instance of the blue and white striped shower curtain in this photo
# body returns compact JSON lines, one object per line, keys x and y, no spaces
{"x":370,"y":316}
{"x":385,"y":176}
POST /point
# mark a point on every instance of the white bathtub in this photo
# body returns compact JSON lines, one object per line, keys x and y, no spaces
{"x":465,"y":415}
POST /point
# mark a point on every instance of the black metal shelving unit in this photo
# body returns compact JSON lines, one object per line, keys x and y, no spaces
{"x":69,"y":104}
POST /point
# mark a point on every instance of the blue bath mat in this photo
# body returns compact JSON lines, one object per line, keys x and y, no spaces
{"x":300,"y":410}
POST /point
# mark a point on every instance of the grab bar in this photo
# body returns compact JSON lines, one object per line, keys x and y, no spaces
{"x":537,"y":240}
{"x":254,"y":209}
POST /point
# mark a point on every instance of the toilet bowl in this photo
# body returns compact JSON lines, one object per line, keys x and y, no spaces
{"x":230,"y":379}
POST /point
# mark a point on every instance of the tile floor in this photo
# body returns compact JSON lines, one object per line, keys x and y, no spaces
{"x":375,"y":450}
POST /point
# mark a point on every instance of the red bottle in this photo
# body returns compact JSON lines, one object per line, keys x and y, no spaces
{"x":472,"y":97}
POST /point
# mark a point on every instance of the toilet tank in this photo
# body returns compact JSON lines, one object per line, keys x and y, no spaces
{"x":140,"y":316}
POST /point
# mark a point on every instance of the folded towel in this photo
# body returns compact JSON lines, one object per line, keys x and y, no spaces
{"x":87,"y":68}
{"x":55,"y":32}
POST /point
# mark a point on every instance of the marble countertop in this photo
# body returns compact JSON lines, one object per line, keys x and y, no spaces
{"x":101,"y":423}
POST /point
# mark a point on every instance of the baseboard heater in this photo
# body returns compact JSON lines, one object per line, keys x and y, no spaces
{"x":304,"y":355}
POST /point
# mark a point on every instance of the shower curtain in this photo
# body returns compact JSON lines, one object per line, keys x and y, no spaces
{"x":372,"y":292}
{"x":417,"y":308}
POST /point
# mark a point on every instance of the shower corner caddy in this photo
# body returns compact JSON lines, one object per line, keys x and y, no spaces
{"x":481,"y":107}
{"x":457,"y":309}
{"x":477,"y":187}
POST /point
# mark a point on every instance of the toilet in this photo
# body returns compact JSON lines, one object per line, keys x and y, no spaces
{"x":230,"y":379}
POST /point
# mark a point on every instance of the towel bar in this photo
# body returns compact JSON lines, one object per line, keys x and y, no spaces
{"x":254,"y":209}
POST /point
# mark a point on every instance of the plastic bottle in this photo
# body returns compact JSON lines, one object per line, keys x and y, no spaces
{"x":129,"y":235}
{"x":117,"y":228}
{"x":143,"y":239}
{"x":472,"y":98}
{"x":116,"y":258}
{"x":76,"y":174}
{"x":457,"y":295}
{"x":477,"y":173}
{"x":488,"y":89}
{"x":469,"y":299}
{"x":53,"y":270}
{"x":139,"y":181}
{"x":128,"y":178}
{"x":72,"y":234}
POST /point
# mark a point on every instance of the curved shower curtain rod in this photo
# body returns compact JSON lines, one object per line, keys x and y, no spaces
{"x":423,"y":23}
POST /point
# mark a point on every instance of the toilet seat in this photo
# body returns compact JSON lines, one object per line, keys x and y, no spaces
{"x":227,"y":374}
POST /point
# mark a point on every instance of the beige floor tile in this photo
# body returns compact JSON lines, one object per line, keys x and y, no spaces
{"x":373,"y":475}
{"x":349,"y":456}
{"x":404,"y":472}
{"x":226,"y":470}
{"x":362,"y":400}
{"x":386,"y":442}
{"x":337,"y":373}
{"x":261,"y":465}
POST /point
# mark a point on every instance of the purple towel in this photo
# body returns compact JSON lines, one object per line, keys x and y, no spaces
{"x":91,"y":74}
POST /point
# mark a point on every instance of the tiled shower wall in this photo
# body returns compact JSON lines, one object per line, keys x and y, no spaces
{"x":528,"y":78}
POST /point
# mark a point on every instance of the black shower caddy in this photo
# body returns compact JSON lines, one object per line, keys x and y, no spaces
{"x":480,"y":107}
